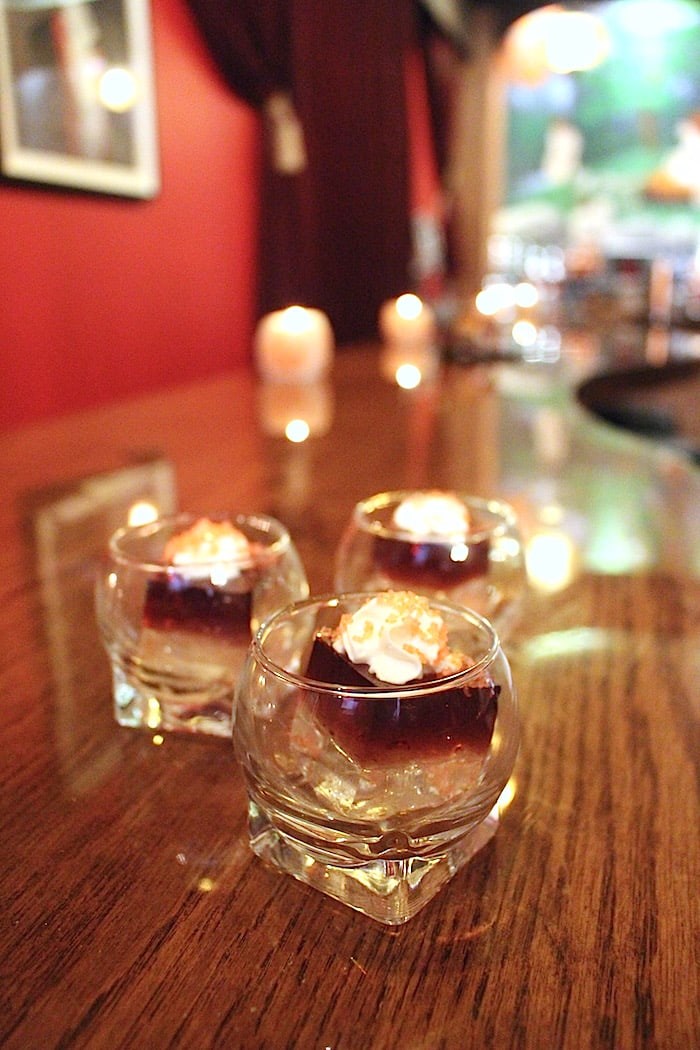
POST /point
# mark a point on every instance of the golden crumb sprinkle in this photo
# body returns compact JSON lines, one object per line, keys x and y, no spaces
{"x":399,"y":635}
{"x":398,"y":609}
{"x":207,"y":540}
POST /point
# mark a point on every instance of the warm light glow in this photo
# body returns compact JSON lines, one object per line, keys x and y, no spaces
{"x":495,"y":298}
{"x":408,"y":377}
{"x":575,"y":41}
{"x":219,"y":576}
{"x":409,"y":306}
{"x":526,"y":295}
{"x":153,"y":718}
{"x":554,"y":40}
{"x":508,"y":547}
{"x":158,"y":739}
{"x":524,"y":333}
{"x":459,"y":552}
{"x":295,"y":411}
{"x":507,"y":795}
{"x":409,"y":364}
{"x":297,"y":431}
{"x":118,"y":89}
{"x":407,"y":321}
{"x":296,"y":318}
{"x":142,"y":513}
{"x":294,"y":345}
{"x":550,"y":558}
{"x":205,"y":885}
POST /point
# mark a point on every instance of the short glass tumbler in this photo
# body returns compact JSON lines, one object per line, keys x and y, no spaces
{"x":177,"y":634}
{"x":374,"y":796}
{"x":484,"y":570}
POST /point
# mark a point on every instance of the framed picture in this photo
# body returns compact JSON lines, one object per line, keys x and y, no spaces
{"x":77,"y":96}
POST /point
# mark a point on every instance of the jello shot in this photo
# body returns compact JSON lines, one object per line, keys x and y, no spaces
{"x":376,"y":733}
{"x":178,"y":601}
{"x":438,"y":543}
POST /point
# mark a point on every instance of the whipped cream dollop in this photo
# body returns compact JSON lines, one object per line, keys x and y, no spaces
{"x":398,"y":635}
{"x":208,"y":543}
{"x":433,"y":514}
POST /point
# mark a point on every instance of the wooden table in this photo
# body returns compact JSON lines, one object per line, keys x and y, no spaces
{"x":133,"y":912}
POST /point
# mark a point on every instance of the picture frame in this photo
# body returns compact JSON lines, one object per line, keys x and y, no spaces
{"x":77,"y":95}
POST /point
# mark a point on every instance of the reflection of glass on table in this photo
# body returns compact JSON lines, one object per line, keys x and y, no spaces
{"x":70,"y":528}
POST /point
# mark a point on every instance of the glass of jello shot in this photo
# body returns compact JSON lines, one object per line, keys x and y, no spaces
{"x":438,"y":543}
{"x":178,"y":601}
{"x":376,"y":733}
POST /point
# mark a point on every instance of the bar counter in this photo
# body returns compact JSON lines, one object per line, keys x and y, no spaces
{"x":134,"y":913}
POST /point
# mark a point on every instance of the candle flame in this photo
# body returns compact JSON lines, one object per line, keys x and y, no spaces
{"x":408,"y":376}
{"x":142,"y":512}
{"x":297,"y":318}
{"x":409,"y":306}
{"x":297,"y":431}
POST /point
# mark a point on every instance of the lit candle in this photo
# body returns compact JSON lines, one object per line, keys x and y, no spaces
{"x":407,"y":320}
{"x":294,"y":345}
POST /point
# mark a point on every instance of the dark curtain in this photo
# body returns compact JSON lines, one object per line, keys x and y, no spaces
{"x":335,"y":231}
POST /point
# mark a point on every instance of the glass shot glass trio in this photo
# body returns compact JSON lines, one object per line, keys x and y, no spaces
{"x":375,"y":727}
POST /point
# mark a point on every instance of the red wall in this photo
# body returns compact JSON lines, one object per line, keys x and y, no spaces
{"x":103,"y":298}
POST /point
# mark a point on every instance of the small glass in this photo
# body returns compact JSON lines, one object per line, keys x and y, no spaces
{"x":374,"y":796}
{"x":483,"y":570}
{"x":177,"y":634}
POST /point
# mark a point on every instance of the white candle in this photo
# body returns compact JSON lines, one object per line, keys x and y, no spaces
{"x":407,"y":320}
{"x":294,"y":345}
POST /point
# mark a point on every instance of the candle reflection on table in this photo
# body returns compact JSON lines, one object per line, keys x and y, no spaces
{"x":409,"y":366}
{"x":296,"y":411}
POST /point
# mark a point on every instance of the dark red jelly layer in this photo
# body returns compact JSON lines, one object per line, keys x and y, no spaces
{"x":376,"y":730}
{"x":176,"y":604}
{"x":429,"y":564}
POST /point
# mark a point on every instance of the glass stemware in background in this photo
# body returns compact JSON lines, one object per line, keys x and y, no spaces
{"x":481,"y":567}
{"x":177,"y":633}
{"x":376,"y":794}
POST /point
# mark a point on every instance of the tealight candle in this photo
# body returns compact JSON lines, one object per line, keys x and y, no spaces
{"x":407,"y":320}
{"x":294,"y":345}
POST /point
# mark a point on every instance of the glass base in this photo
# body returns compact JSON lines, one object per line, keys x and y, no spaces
{"x":389,"y":891}
{"x":172,"y":705}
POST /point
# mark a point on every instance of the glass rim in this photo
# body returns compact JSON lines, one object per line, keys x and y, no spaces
{"x":407,"y":690}
{"x":502,"y":516}
{"x":265,"y":522}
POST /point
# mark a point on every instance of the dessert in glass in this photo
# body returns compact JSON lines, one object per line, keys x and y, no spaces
{"x":376,"y":732}
{"x":178,"y":601}
{"x":447,"y":544}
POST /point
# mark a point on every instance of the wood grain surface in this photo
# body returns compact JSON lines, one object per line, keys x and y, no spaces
{"x":134,"y":914}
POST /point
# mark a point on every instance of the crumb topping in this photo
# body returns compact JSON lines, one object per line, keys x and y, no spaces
{"x":400,"y":636}
{"x":208,"y":541}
